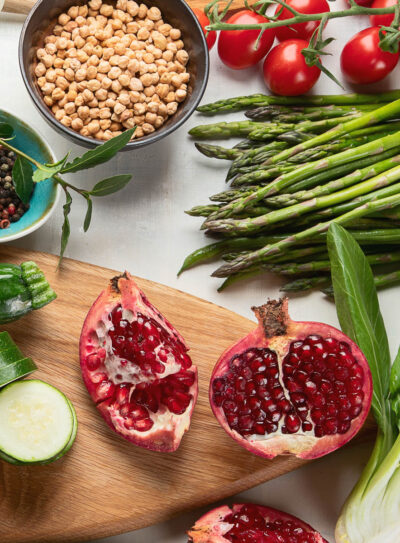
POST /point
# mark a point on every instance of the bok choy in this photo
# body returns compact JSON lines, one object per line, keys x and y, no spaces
{"x":372,"y":511}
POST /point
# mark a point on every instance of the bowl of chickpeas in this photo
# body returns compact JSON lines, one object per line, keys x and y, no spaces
{"x":96,"y":68}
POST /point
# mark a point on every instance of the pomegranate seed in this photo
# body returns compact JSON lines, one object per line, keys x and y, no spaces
{"x":137,"y":412}
{"x":307,"y":426}
{"x":331,"y":344}
{"x":122,"y":394}
{"x":143,"y":425}
{"x":259,"y":429}
{"x":230,"y":406}
{"x":186,"y":361}
{"x":343,"y":427}
{"x":98,"y":377}
{"x":94,"y":360}
{"x":105,"y":390}
{"x":292,"y":423}
{"x":330,"y":426}
{"x":250,"y":389}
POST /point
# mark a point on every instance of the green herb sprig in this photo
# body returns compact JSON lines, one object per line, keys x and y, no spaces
{"x":27,"y":171}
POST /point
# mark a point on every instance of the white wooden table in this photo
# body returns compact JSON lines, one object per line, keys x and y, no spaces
{"x":145,"y":231}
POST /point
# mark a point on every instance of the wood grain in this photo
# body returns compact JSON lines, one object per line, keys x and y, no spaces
{"x":24,"y":6}
{"x":106,"y":485}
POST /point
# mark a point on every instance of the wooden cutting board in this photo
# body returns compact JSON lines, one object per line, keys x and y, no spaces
{"x":24,"y":6}
{"x":105,"y":485}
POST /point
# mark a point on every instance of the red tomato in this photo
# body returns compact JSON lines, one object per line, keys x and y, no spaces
{"x":237,"y":48}
{"x":362,"y":60}
{"x":364,"y":3}
{"x":285,"y":69}
{"x":382,"y":20}
{"x":303,"y":31}
{"x":204,"y":21}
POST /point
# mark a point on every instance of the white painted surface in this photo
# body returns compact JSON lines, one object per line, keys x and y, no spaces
{"x":145,"y":231}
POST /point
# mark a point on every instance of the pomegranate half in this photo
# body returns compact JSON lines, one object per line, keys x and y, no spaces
{"x":136,"y":368}
{"x":249,"y":523}
{"x":301,"y":388}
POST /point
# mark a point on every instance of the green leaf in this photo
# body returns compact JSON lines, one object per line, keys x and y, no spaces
{"x":88,"y":217}
{"x":6,"y":131}
{"x":101,"y":154}
{"x":66,"y":230}
{"x":110,"y":185}
{"x":395,"y":388}
{"x":22,"y":179}
{"x":47,"y":171}
{"x":359,"y":314}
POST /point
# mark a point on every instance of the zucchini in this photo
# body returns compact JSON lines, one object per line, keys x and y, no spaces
{"x":13,"y":364}
{"x":22,"y":289}
{"x":38,"y":423}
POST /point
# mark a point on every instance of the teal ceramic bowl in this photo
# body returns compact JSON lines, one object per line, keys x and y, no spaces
{"x":45,"y":195}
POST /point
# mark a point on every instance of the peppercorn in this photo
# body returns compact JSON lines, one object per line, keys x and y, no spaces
{"x":11,"y":207}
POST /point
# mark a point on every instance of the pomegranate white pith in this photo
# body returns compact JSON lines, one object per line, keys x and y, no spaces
{"x":250,"y":523}
{"x":301,"y":388}
{"x":136,"y":368}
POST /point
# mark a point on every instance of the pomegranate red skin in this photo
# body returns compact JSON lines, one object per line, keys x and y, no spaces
{"x":302,"y":446}
{"x":128,"y":295}
{"x":211,"y":528}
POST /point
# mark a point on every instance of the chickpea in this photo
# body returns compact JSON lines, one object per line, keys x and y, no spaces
{"x":106,"y":83}
{"x":91,"y":72}
{"x":40,"y":69}
{"x":72,"y":95}
{"x":88,"y":95}
{"x":95,"y":4}
{"x":172,"y":108}
{"x":119,"y":108}
{"x":106,"y":10}
{"x":114,"y":73}
{"x":136,"y":84}
{"x":48,"y":60}
{"x":139,"y":109}
{"x":70,"y":108}
{"x":143,"y":34}
{"x":105,"y":123}
{"x":133,"y":66}
{"x":79,"y":101}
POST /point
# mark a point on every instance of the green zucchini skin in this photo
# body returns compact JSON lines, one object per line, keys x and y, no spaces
{"x":13,"y":364}
{"x":22,"y":289}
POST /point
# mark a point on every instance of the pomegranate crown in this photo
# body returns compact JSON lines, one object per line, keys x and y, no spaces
{"x":273,"y":317}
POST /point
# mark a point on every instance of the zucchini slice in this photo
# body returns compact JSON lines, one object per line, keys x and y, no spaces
{"x":37,"y":424}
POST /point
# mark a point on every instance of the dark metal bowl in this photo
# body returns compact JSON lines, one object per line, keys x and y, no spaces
{"x":43,"y":17}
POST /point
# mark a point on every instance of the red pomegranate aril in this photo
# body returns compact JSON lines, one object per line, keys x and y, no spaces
{"x":259,"y":429}
{"x":143,"y":425}
{"x":230,"y":406}
{"x":98,"y":377}
{"x":105,"y":390}
{"x":292,"y":423}
{"x":307,"y":383}
{"x":94,"y":360}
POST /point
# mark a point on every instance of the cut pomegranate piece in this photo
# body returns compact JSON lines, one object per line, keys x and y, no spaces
{"x":249,"y":523}
{"x":301,"y":388}
{"x":136,"y":368}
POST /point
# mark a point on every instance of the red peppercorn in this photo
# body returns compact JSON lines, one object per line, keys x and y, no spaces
{"x":4,"y":214}
{"x":11,"y":209}
{"x":5,"y":223}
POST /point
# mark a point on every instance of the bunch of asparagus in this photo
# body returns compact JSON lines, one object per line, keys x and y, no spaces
{"x":305,"y":162}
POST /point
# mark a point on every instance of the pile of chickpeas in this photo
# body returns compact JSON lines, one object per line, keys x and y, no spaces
{"x":106,"y":68}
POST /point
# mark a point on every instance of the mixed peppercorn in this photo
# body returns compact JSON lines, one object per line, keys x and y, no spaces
{"x":11,"y":207}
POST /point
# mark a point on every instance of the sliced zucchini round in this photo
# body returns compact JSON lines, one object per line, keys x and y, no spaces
{"x":37,"y":425}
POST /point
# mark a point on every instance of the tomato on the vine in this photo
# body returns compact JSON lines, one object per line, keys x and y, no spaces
{"x":204,"y":21}
{"x":382,"y":20}
{"x":363,"y":61}
{"x":301,"y":31}
{"x":237,"y":48}
{"x":363,"y":3}
{"x":285,"y":69}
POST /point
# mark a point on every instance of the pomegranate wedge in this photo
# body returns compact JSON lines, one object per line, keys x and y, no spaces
{"x":249,"y":523}
{"x":136,"y":368}
{"x":301,"y":388}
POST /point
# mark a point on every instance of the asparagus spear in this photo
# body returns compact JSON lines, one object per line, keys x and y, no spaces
{"x":337,"y":184}
{"x":216,"y":151}
{"x":334,"y":173}
{"x":258,"y":100}
{"x":298,"y":114}
{"x":229,"y":195}
{"x":381,"y":281}
{"x":265,"y":254}
{"x":388,"y":111}
{"x":294,"y":268}
{"x":306,"y":283}
{"x":373,"y":147}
